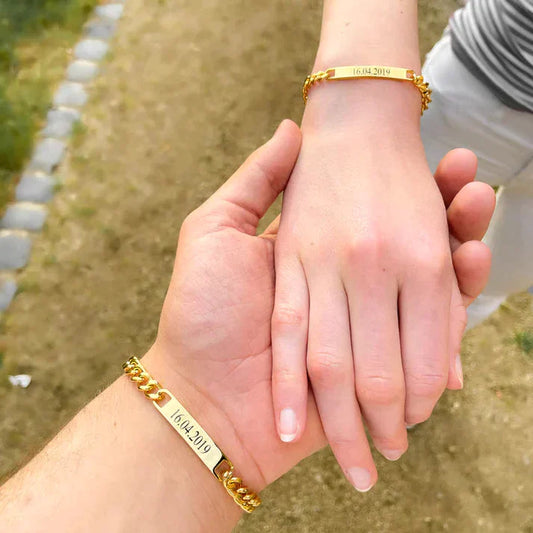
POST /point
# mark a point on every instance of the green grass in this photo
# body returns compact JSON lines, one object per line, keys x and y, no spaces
{"x":35,"y":36}
{"x":524,"y":341}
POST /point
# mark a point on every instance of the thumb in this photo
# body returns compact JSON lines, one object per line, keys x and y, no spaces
{"x":246,"y":196}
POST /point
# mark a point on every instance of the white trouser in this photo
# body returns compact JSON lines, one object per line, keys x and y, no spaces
{"x":464,"y":113}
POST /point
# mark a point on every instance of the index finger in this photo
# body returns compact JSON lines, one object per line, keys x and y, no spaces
{"x":457,"y":168}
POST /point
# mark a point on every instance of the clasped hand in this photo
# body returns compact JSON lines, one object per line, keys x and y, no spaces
{"x":215,"y":336}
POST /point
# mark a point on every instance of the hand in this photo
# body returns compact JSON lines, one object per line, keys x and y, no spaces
{"x":366,"y":303}
{"x":214,"y":334}
{"x":214,"y":345}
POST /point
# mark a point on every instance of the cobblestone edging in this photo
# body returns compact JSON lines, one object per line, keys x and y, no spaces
{"x":26,"y":215}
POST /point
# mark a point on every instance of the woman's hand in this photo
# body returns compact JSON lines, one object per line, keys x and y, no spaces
{"x":214,"y":346}
{"x":366,"y":303}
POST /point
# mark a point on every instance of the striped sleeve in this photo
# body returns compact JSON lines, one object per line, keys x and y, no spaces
{"x":494,"y":40}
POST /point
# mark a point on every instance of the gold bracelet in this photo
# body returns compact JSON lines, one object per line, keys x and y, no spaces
{"x":370,"y":71}
{"x":192,"y":433}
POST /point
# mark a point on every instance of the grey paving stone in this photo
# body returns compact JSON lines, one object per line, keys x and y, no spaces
{"x":35,"y":188}
{"x":67,"y":112}
{"x":47,"y":155}
{"x":15,"y":248}
{"x":91,"y":49}
{"x":110,"y":11}
{"x":70,"y":94}
{"x":24,"y":215}
{"x":8,"y":289}
{"x":59,"y":122}
{"x":82,"y":71}
{"x":57,"y":128}
{"x":100,"y":29}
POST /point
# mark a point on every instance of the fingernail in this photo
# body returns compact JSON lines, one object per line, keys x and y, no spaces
{"x":459,"y":369}
{"x":392,"y":455}
{"x":287,"y":425}
{"x":410,"y":426}
{"x":360,"y":479}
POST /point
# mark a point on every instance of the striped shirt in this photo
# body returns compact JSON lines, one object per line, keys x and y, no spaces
{"x":494,"y":40}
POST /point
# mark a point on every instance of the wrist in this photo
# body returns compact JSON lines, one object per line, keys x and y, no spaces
{"x":179,"y":482}
{"x":378,"y":115}
{"x":211,"y":416}
{"x":377,"y":105}
{"x":117,"y":466}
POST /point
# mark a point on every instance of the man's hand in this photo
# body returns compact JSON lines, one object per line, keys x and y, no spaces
{"x":214,"y":340}
{"x":214,"y":334}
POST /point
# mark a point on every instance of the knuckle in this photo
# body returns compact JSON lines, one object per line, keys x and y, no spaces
{"x":426,"y":384}
{"x":284,"y":376}
{"x":379,"y":389}
{"x":366,"y":249}
{"x":266,"y":173}
{"x":325,"y":369}
{"x":286,"y":317}
{"x":434,"y":263}
{"x":316,"y":253}
{"x":343,"y":442}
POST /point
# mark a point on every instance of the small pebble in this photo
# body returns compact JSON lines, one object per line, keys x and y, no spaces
{"x":20,"y":380}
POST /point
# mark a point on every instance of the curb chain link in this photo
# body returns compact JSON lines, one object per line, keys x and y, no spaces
{"x":152,"y":389}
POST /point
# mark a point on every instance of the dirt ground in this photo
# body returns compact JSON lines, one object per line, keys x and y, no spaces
{"x":191,"y":88}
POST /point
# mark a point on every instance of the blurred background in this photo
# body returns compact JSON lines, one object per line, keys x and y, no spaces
{"x":188,"y":90}
{"x":35,"y":37}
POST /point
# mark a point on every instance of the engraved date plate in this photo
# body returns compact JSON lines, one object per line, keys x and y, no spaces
{"x":369,"y":71}
{"x":191,"y":432}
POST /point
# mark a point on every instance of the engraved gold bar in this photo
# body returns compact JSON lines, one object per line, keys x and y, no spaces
{"x":209,"y":453}
{"x":370,"y":71}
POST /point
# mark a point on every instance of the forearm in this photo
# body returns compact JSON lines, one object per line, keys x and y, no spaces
{"x":117,"y":466}
{"x":367,"y":32}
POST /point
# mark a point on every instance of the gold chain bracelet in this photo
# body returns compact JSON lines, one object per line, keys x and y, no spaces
{"x":193,"y":434}
{"x":370,"y":71}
